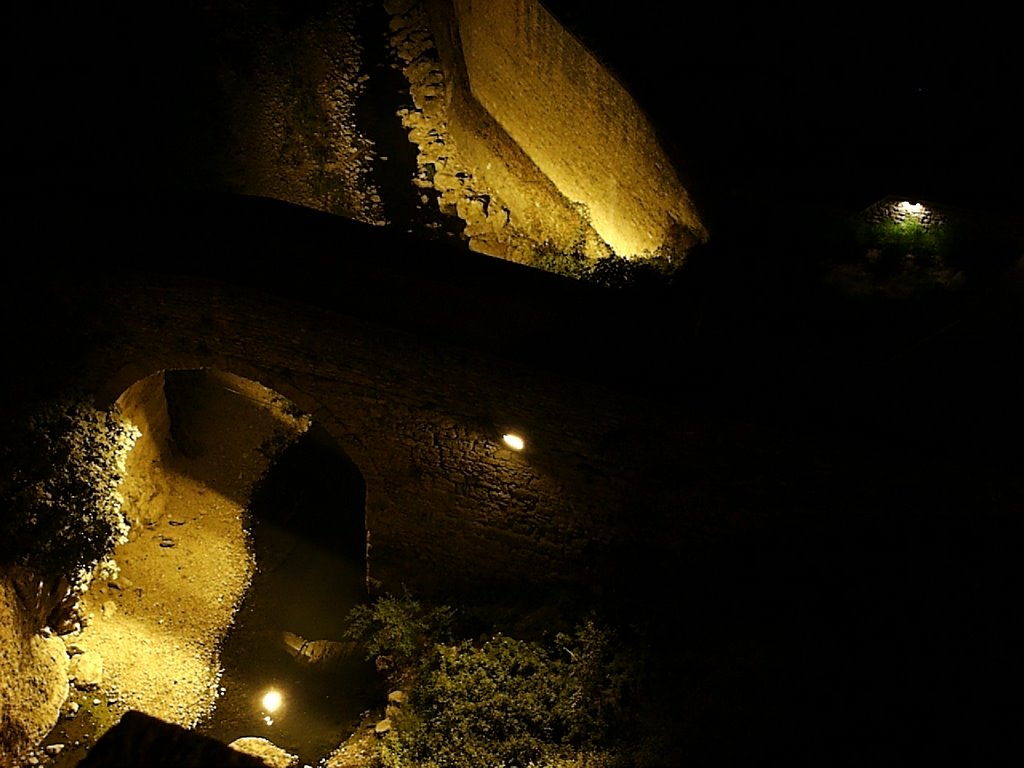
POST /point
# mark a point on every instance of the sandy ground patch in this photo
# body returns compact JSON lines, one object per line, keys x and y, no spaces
{"x":157,"y":614}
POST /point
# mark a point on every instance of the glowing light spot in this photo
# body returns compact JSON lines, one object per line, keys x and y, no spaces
{"x":271,"y":701}
{"x":910,"y":207}
{"x":513,"y":441}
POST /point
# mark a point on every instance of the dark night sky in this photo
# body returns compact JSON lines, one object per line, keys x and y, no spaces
{"x":860,"y":100}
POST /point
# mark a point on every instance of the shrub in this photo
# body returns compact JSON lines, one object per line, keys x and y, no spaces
{"x":894,"y":240}
{"x":568,"y":263}
{"x":597,"y":685}
{"x":509,"y":702}
{"x":398,"y":629}
{"x":492,"y":705}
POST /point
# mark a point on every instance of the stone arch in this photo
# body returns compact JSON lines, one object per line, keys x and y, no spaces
{"x":108,"y":387}
{"x":319,"y":419}
{"x":108,"y":390}
{"x":200,"y":556}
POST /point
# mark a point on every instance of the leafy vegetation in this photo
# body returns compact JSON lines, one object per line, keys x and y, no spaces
{"x":608,"y":268}
{"x":563,"y":700}
{"x":397,"y":631}
{"x":907,"y":236}
{"x":612,"y":271}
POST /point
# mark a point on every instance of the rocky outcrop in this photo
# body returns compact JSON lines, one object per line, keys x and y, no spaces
{"x":266,"y":751}
{"x":575,"y":121}
{"x":510,"y":208}
{"x":33,"y":677}
{"x":534,"y":141}
{"x":86,"y":670}
{"x":289,"y":81}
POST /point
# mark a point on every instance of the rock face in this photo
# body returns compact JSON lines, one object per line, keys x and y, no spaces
{"x":510,"y":209}
{"x":268,"y":752}
{"x":86,"y":670}
{"x":535,"y":115}
{"x":33,"y":678}
{"x":290,"y":91}
{"x":316,"y":653}
{"x":524,"y":139}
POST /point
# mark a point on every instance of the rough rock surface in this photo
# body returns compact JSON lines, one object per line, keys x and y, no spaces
{"x":509,"y":208}
{"x":33,"y":678}
{"x":290,"y":82}
{"x":86,"y":670}
{"x":265,"y":750}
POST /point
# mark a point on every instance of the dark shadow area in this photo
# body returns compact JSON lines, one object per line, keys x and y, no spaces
{"x":210,"y":430}
{"x":407,"y":207}
{"x":309,"y":542}
{"x":850,"y":595}
{"x":139,"y":739}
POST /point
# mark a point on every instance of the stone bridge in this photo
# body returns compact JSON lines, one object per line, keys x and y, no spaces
{"x":414,"y":358}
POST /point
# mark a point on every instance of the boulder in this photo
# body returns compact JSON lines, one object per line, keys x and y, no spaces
{"x":86,"y":670}
{"x":396,"y":699}
{"x":267,"y":751}
{"x":33,"y":678}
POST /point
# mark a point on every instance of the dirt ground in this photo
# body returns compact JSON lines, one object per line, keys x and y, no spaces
{"x":157,"y":612}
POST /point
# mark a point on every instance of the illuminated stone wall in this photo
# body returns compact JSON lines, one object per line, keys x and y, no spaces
{"x":516,"y":133}
{"x":574,"y":120}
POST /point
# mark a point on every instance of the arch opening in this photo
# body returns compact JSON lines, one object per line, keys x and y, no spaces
{"x":247,"y":527}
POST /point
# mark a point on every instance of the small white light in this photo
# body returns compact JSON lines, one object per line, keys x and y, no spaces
{"x":910,"y":207}
{"x":513,"y":441}
{"x":271,"y":701}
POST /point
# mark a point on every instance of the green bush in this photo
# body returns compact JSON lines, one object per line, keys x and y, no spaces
{"x":509,"y":702}
{"x":492,"y":705}
{"x":895,"y":240}
{"x":612,"y":270}
{"x":568,"y":263}
{"x":910,"y":236}
{"x":599,"y":681}
{"x":642,"y":272}
{"x":399,"y":629}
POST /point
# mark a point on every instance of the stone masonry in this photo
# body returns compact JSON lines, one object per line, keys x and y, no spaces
{"x":447,"y":503}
